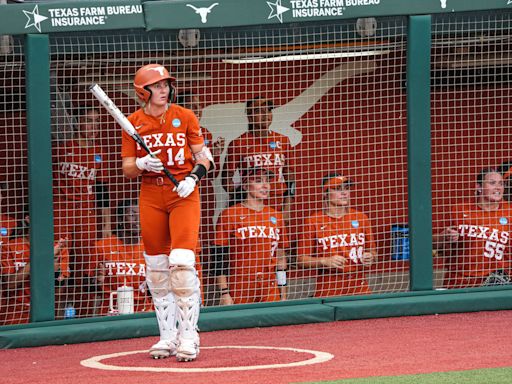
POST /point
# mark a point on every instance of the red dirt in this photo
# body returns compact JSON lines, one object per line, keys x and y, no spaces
{"x":362,"y":348}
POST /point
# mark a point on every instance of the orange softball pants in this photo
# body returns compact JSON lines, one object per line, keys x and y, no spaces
{"x":167,"y":220}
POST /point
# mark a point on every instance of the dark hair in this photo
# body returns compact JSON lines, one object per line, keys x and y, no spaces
{"x":181,"y":98}
{"x":481,"y":176}
{"x":121,"y":209}
{"x":249,"y":105}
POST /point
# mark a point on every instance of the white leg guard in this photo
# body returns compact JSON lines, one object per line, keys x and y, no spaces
{"x":185,"y":286}
{"x":157,"y":278}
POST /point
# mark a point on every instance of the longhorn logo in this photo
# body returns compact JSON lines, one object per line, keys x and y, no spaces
{"x":160,"y":70}
{"x":203,"y":11}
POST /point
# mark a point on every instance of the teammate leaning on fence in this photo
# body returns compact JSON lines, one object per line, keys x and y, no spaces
{"x":476,"y":243}
{"x":251,"y":239}
{"x":169,"y":215}
{"x":338,"y":242}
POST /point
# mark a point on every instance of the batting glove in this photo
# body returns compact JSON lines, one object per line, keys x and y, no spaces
{"x":149,"y":163}
{"x":186,"y":187}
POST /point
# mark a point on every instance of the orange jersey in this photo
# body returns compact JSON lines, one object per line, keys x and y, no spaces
{"x":271,"y":152}
{"x":173,"y":134}
{"x":484,"y":240}
{"x":348,"y":236}
{"x":123,"y":264}
{"x":18,"y":256}
{"x":77,"y":169}
{"x":253,"y":238}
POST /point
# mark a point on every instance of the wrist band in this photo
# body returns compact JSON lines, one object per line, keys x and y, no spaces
{"x":281,"y":278}
{"x":198,"y":172}
{"x":224,"y":291}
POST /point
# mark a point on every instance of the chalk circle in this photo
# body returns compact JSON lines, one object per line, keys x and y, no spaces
{"x":318,"y":357}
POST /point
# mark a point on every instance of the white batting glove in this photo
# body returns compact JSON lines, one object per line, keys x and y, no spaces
{"x":150,"y":164}
{"x":185,"y":187}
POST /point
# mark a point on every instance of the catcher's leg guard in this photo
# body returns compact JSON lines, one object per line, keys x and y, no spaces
{"x":185,"y":286}
{"x":157,"y":278}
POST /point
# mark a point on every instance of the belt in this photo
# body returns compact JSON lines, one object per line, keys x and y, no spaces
{"x":157,"y":180}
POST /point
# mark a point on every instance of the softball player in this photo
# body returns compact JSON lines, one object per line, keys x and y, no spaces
{"x":79,"y":190}
{"x":252,"y":241}
{"x":121,"y":259}
{"x":261,"y":147}
{"x":337,"y":242}
{"x":476,"y":243}
{"x":169,"y":215}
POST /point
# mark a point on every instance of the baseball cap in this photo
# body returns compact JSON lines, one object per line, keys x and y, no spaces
{"x":247,"y":172}
{"x":258,"y":101}
{"x":334,"y":180}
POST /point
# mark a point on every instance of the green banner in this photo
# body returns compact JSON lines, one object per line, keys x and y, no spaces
{"x":70,"y":16}
{"x":183,"y":14}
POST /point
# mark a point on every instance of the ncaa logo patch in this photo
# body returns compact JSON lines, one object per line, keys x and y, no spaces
{"x":273,"y":220}
{"x":206,"y":141}
{"x":4,"y":231}
{"x":97,"y":158}
{"x":273,"y":145}
{"x":355,"y":223}
{"x":503,"y":220}
{"x":176,"y":123}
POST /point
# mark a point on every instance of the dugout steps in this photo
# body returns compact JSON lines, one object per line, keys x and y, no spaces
{"x":263,"y":315}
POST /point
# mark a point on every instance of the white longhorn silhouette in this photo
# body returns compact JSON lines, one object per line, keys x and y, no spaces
{"x":203,"y":11}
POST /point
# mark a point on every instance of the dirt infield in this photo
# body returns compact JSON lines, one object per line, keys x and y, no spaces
{"x":313,"y":352}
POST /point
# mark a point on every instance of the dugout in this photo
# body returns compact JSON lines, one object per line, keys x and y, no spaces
{"x":409,"y":98}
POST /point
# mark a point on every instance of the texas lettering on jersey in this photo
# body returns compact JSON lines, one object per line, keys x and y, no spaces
{"x":495,"y":239}
{"x":259,"y":231}
{"x":77,"y":171}
{"x":125,"y":269}
{"x":160,"y":140}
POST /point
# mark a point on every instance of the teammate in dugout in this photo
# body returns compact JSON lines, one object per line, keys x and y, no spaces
{"x":261,"y":147}
{"x":337,"y":242}
{"x":476,"y":243}
{"x":252,"y":240}
{"x":169,"y":215}
{"x":121,"y":259}
{"x":80,"y":190}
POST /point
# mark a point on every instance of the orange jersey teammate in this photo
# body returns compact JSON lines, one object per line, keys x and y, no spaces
{"x":261,"y":147}
{"x":252,"y":238}
{"x":169,"y":215}
{"x":477,"y":242}
{"x":121,"y":259}
{"x":16,"y":270}
{"x":79,"y":190}
{"x":338,"y":242}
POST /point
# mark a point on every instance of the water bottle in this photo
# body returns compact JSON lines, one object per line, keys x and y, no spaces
{"x":400,"y":242}
{"x":69,"y":312}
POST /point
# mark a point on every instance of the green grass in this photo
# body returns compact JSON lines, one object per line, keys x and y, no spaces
{"x":477,"y":376}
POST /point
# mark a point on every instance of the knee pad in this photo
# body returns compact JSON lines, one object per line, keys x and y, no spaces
{"x":157,"y":274}
{"x":183,"y":275}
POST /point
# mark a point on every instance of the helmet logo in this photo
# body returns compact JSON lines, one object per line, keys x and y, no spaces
{"x":160,"y":70}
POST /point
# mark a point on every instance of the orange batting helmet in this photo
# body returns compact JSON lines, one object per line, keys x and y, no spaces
{"x":151,"y":74}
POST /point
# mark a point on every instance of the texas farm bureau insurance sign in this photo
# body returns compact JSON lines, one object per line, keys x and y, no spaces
{"x":76,"y":16}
